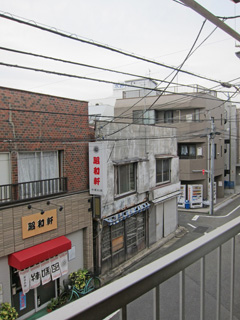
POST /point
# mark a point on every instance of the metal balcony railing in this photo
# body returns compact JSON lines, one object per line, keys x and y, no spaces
{"x":33,"y":189}
{"x":119,"y":295}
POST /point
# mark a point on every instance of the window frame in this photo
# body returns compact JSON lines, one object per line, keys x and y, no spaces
{"x":119,"y":179}
{"x":144,"y":117}
{"x":163,"y":173}
{"x":188,"y":146}
{"x":168,"y":116}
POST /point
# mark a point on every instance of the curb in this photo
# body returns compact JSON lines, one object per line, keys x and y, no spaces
{"x":217,"y":206}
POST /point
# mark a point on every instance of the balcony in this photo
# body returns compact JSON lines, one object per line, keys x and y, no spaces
{"x":10,"y":193}
{"x":121,"y":295}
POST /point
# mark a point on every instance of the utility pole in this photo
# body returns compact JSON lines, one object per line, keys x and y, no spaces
{"x":212,"y":135}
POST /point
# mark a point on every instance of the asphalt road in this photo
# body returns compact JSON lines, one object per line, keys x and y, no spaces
{"x":196,"y":224}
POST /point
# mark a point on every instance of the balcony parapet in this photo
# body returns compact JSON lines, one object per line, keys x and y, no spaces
{"x":25,"y":191}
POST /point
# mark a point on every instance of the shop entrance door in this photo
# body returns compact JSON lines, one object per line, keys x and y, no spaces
{"x":43,"y":294}
{"x":34,"y":300}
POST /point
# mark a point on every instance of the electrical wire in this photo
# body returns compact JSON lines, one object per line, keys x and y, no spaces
{"x":95,"y":43}
{"x":89,"y":66}
{"x":179,"y":68}
{"x":86,"y":78}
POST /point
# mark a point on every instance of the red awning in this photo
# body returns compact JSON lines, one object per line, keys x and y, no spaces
{"x":43,"y":251}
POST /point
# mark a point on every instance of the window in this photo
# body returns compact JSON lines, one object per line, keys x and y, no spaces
{"x":163,"y":170}
{"x":5,"y":178}
{"x":34,"y":166}
{"x":35,"y":169}
{"x":168,"y":116}
{"x":187,"y":151}
{"x":194,"y":116}
{"x":144,"y":117}
{"x":125,"y":178}
{"x":197,"y":115}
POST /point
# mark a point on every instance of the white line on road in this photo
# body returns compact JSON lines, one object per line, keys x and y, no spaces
{"x":192,"y":226}
{"x":195,"y":218}
{"x":227,"y":215}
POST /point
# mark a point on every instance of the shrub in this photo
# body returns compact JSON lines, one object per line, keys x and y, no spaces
{"x":7,"y":312}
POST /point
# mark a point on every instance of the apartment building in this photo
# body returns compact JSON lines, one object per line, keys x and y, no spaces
{"x":198,"y":116}
{"x":45,"y":223}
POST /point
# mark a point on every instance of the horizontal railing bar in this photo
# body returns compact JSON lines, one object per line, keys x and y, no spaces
{"x":119,"y":293}
{"x":19,"y":192}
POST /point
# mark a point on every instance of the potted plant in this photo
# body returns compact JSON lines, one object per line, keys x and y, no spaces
{"x":53,"y":304}
{"x":78,"y":278}
{"x":7,"y":312}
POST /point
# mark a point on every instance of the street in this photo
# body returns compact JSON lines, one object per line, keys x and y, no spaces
{"x":197,"y":225}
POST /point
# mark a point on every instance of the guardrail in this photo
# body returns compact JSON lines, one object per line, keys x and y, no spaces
{"x":118,"y":294}
{"x":33,"y":189}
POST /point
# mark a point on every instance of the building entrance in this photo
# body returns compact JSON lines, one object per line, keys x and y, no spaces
{"x":34,"y":300}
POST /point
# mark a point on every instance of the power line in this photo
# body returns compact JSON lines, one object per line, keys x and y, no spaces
{"x":178,"y":70}
{"x":84,"y":78}
{"x":97,"y":44}
{"x":89,"y":66}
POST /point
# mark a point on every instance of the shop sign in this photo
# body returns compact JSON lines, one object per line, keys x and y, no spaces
{"x":63,"y":260}
{"x":24,"y":278}
{"x":39,"y":223}
{"x":97,"y":168}
{"x":22,"y":301}
{"x":35,"y":276}
{"x":55,"y":268}
{"x":43,"y":272}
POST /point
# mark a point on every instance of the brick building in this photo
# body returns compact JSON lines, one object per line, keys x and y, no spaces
{"x":44,"y":216}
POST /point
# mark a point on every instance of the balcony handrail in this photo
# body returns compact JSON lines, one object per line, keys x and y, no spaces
{"x":121,"y":292}
{"x":15,"y":192}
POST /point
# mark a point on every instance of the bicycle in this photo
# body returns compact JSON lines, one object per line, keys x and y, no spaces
{"x":71,"y":292}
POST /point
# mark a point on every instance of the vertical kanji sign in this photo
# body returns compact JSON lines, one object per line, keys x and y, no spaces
{"x":97,"y":168}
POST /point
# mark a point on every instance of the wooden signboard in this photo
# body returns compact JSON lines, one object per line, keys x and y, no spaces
{"x":39,"y":223}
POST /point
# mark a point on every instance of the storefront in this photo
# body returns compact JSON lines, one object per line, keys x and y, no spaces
{"x":123,"y":236}
{"x":35,"y":274}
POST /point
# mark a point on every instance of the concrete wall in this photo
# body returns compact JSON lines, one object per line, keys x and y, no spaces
{"x":141,"y":144}
{"x":5,"y":280}
{"x":188,"y":132}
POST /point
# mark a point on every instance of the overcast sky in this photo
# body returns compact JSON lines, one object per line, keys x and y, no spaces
{"x":162,"y":30}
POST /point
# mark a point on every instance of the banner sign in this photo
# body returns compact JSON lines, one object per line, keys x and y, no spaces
{"x":24,"y":279}
{"x":97,"y":168}
{"x":45,"y":272}
{"x":22,"y":301}
{"x":63,"y":259}
{"x":35,"y":276}
{"x":55,"y":268}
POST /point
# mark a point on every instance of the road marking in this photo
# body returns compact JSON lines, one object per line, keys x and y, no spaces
{"x":195,"y":218}
{"x":192,"y":226}
{"x":217,"y":217}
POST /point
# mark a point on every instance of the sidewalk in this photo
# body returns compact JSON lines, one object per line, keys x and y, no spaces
{"x":221,"y":202}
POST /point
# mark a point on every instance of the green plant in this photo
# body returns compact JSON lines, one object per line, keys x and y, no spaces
{"x":53,"y":304}
{"x":78,"y":278}
{"x":7,"y":312}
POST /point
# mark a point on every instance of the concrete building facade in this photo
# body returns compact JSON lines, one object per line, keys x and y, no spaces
{"x":45,"y":224}
{"x":134,"y":182}
{"x":192,"y":114}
